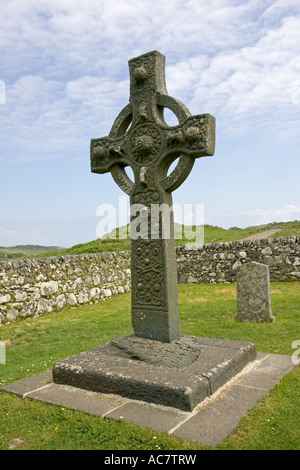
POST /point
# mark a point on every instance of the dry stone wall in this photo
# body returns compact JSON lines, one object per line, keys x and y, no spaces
{"x":219,"y":262}
{"x":34,"y":287}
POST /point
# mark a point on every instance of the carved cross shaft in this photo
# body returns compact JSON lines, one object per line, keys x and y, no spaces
{"x":141,"y":139}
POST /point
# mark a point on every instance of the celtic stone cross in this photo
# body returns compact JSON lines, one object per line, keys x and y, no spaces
{"x":141,"y":139}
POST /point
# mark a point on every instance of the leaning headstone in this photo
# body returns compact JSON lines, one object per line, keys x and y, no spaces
{"x":253,"y":293}
{"x":156,"y":364}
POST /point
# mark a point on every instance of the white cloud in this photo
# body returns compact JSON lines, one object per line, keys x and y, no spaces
{"x":65,"y":65}
{"x":46,"y":118}
{"x":97,"y":35}
{"x":11,"y":237}
{"x":255,"y":81}
{"x":278,"y":8}
{"x":256,"y":216}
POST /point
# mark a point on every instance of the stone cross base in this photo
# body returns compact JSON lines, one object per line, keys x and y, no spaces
{"x":180,"y":374}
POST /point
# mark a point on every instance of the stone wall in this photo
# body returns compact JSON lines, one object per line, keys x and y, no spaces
{"x":219,"y":262}
{"x":38,"y":286}
{"x":33,"y":287}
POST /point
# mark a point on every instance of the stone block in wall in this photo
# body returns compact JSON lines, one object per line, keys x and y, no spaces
{"x":20,"y":296}
{"x":48,"y":288}
{"x":11,"y":314}
{"x":296,"y":274}
{"x":44,"y":306}
{"x":71,"y":299}
{"x":83,"y":298}
{"x":60,"y":301}
{"x":4,"y":298}
{"x":267,"y":251}
{"x":107,"y":293}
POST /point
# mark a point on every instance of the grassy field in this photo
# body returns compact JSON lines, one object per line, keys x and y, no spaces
{"x":34,"y":345}
{"x":25,"y":251}
{"x":118,"y":240}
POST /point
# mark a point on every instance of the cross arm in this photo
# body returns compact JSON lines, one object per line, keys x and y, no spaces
{"x":195,"y":137}
{"x":106,"y":152}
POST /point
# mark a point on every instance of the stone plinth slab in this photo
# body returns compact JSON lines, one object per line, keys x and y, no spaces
{"x":100,"y":370}
{"x":209,"y":423}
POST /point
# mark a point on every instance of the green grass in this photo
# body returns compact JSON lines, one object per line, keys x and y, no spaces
{"x":34,"y":345}
{"x":117,"y":241}
{"x":25,"y":251}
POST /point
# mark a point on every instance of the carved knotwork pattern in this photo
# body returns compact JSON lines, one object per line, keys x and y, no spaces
{"x":146,"y":192}
{"x":143,"y":77}
{"x":148,"y":282}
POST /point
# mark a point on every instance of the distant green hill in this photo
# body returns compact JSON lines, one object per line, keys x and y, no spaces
{"x":25,"y":251}
{"x":118,"y":240}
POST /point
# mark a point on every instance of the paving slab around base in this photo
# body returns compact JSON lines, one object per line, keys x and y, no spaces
{"x":209,"y":423}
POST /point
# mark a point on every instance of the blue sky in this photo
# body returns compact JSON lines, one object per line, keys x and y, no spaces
{"x":64,"y":78}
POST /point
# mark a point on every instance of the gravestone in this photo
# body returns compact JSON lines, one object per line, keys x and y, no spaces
{"x":156,"y":364}
{"x":253,"y":293}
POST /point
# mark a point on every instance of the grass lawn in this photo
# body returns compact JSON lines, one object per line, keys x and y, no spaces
{"x":33,"y":345}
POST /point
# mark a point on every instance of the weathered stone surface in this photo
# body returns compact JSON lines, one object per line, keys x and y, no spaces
{"x":11,"y":314}
{"x":83,"y":297}
{"x":60,"y":301}
{"x":20,"y":296}
{"x":149,"y":146}
{"x":48,"y":284}
{"x":24,"y":386}
{"x":97,"y":370}
{"x":224,"y":259}
{"x":71,"y":299}
{"x":44,"y":306}
{"x":179,"y":354}
{"x":49,"y":288}
{"x":253,"y":293}
{"x":4,"y":298}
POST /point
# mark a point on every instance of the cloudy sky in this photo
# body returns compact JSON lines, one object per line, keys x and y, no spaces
{"x":64,"y":78}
